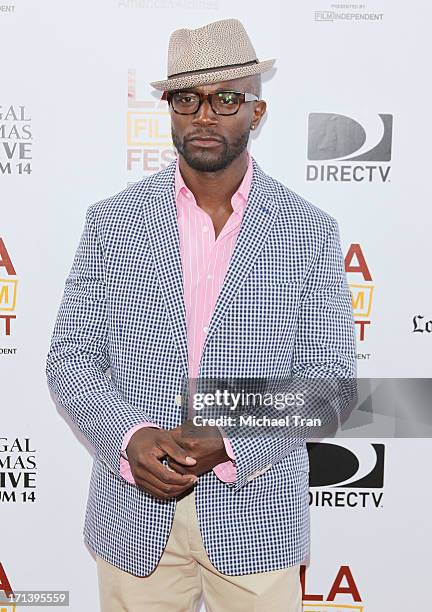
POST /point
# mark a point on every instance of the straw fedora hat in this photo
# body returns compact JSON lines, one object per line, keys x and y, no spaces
{"x":218,"y":51}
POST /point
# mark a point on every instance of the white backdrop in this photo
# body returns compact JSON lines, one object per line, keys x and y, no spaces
{"x":78,"y":121}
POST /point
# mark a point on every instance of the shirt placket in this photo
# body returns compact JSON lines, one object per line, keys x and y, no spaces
{"x":212,"y":263}
{"x":206,"y":280}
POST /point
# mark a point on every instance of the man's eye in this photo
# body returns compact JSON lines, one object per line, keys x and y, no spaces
{"x":228,"y":99}
{"x":186,"y":99}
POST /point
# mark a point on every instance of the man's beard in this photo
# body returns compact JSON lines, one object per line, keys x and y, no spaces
{"x":204,"y":160}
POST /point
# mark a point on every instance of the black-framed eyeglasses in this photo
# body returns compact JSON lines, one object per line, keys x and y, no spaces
{"x":185,"y":102}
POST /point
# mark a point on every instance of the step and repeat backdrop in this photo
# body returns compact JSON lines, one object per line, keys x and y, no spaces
{"x":348,"y":128}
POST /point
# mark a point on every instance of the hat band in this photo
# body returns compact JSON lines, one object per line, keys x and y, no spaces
{"x":178,"y":74}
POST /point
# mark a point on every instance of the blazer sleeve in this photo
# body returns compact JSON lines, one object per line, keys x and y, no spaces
{"x":323,"y":366}
{"x":78,"y":359}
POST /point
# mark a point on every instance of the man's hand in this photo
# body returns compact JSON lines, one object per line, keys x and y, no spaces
{"x":205,"y":444}
{"x":145,"y":450}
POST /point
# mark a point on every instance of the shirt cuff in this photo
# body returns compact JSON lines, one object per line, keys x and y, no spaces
{"x":125,"y":470}
{"x":226,"y":471}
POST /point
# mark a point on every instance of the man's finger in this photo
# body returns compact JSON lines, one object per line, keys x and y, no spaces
{"x":180,"y":469}
{"x":171,"y":448}
{"x":151,"y":483}
{"x":160,"y":472}
{"x":155,"y":491}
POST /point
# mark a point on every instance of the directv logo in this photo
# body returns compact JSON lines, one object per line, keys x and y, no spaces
{"x":342,"y":477}
{"x":338,"y":138}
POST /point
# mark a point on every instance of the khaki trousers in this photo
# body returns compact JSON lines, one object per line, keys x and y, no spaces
{"x":184,"y":573}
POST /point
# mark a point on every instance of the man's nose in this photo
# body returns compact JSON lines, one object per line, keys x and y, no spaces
{"x":205,"y":114}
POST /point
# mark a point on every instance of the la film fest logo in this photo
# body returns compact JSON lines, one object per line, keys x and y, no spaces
{"x":17,"y":470}
{"x":149,"y":144}
{"x":361,"y":292}
{"x":6,"y":588}
{"x":16,"y":140}
{"x":348,"y":149}
{"x":8,"y":295}
{"x":346,"y":476}
{"x":342,"y":593}
{"x":11,"y":601}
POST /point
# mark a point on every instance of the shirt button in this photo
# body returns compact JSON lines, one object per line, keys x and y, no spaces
{"x":205,"y":228}
{"x":205,"y":329}
{"x":209,"y":276}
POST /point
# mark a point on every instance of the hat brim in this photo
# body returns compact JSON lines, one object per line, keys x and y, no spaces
{"x":205,"y":78}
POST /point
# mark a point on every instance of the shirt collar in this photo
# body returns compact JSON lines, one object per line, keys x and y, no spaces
{"x":239,"y":199}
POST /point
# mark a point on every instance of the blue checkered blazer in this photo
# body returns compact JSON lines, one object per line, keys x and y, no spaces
{"x":284,"y":310}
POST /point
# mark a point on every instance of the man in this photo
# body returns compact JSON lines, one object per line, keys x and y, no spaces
{"x":208,"y":268}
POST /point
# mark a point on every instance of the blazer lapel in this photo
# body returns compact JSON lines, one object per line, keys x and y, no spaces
{"x":258,"y":219}
{"x":160,"y":215}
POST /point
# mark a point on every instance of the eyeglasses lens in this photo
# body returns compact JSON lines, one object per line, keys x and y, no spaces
{"x":223,"y":102}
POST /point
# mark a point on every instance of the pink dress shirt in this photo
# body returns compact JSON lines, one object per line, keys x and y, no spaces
{"x":205,"y":262}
